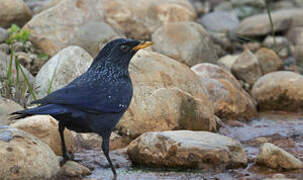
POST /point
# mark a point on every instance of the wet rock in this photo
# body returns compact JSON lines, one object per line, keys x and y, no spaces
{"x":14,"y":12}
{"x":259,"y":25}
{"x":46,"y":129}
{"x":281,"y":90}
{"x":74,"y":169}
{"x":51,"y":36}
{"x":157,"y":78}
{"x":276,"y":158}
{"x":230,"y":100}
{"x":247,"y":67}
{"x":58,"y":72}
{"x":7,"y":106}
{"x":187,"y":149}
{"x":220,"y":21}
{"x":24,"y":156}
{"x":138,"y":19}
{"x":92,"y":36}
{"x":186,"y":42}
{"x":3,"y":34}
{"x":269,"y":61}
{"x":227,"y":61}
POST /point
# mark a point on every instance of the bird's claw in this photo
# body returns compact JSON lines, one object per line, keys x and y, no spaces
{"x":66,"y":157}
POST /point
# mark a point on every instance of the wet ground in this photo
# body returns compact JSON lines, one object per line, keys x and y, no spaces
{"x":282,"y":129}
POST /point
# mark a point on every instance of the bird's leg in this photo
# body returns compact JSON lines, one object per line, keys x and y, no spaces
{"x":66,"y":156}
{"x":105,"y":148}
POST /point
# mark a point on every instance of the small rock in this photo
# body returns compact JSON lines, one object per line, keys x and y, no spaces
{"x":58,"y":71}
{"x":30,"y":61}
{"x":138,"y":19}
{"x":7,"y":106}
{"x":46,"y":129}
{"x":220,"y":21}
{"x":269,"y":61}
{"x":227,"y":61}
{"x":259,"y":25}
{"x":51,"y":36}
{"x":276,"y":158}
{"x":201,"y":7}
{"x":230,"y":100}
{"x":187,"y":149}
{"x":281,"y":91}
{"x":14,"y":12}
{"x":74,"y":169}
{"x":3,"y":34}
{"x":24,"y":156}
{"x":247,"y":67}
{"x":186,"y":42}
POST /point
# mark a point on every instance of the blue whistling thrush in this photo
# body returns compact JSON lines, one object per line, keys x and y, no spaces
{"x":96,"y":100}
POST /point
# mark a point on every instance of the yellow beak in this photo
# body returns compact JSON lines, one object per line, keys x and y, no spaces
{"x":142,"y":45}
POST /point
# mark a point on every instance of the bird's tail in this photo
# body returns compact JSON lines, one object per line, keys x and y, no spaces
{"x":51,"y":109}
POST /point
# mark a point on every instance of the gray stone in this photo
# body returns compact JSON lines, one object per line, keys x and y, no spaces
{"x":54,"y":29}
{"x":3,"y":34}
{"x":187,"y":149}
{"x":259,"y":25}
{"x":220,"y":21}
{"x":186,"y":42}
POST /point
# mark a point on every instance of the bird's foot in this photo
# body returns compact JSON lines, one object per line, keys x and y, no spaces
{"x":66,"y":157}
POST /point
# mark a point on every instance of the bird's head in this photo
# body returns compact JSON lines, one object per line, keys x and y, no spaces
{"x":120,"y":51}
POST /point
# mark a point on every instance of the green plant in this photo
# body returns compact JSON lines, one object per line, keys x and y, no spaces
{"x":11,"y":86}
{"x":16,"y":34}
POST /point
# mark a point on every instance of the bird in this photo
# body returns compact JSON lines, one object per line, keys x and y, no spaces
{"x":96,"y":100}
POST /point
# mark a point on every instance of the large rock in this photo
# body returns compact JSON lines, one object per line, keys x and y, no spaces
{"x":230,"y":100}
{"x":167,"y":95}
{"x":247,"y":67}
{"x":187,"y":149}
{"x":259,"y":25}
{"x":61,"y":69}
{"x":59,"y":26}
{"x":269,"y":61}
{"x":220,"y":21}
{"x":276,"y":158}
{"x":7,"y":106}
{"x":139,"y":18}
{"x":46,"y":129}
{"x":23,"y":156}
{"x":14,"y":12}
{"x":281,"y":90}
{"x":186,"y":42}
{"x":93,"y":36}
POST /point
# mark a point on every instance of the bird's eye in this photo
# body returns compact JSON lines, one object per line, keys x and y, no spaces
{"x":124,"y":48}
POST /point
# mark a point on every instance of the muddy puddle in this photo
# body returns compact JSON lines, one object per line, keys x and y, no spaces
{"x":282,"y":129}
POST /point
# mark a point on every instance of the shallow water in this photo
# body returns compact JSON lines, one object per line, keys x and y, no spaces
{"x":282,"y":129}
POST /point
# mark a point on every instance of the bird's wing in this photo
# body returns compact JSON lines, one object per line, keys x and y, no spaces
{"x":91,"y":99}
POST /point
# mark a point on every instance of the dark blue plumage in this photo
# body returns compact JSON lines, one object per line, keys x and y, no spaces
{"x":96,"y":100}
